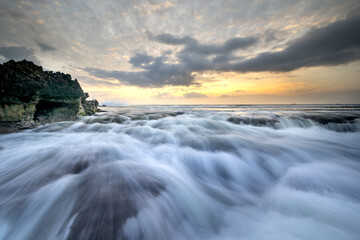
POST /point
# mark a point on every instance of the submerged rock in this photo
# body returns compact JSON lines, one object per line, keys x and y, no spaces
{"x":30,"y":96}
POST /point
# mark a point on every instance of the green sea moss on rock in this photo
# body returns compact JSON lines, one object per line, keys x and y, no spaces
{"x":30,"y":96}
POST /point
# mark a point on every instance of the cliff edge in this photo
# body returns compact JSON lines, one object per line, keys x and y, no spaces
{"x":30,"y":96}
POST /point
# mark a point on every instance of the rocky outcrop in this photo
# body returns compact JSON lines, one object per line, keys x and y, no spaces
{"x":90,"y":106}
{"x":30,"y":96}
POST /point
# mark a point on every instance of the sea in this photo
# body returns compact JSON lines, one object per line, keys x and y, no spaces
{"x":252,"y":172}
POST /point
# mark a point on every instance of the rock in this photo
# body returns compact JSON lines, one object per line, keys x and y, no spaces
{"x":90,"y":106}
{"x":30,"y":96}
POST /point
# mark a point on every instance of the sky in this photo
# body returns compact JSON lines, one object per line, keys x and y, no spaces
{"x":192,"y":52}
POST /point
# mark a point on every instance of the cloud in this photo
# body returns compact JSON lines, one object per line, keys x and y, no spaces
{"x":140,"y":59}
{"x":194,"y":95}
{"x":45,"y":47}
{"x":93,"y":82}
{"x":171,"y":40}
{"x":335,"y":44}
{"x":157,"y":74}
{"x":193,"y":46}
{"x":18,"y":53}
{"x":163,"y":96}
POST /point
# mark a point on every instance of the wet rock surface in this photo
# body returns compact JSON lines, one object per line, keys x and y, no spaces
{"x":30,"y":97}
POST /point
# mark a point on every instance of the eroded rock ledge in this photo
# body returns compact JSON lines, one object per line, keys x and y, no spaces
{"x":30,"y":96}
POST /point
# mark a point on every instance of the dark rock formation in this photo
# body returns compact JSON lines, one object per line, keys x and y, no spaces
{"x":30,"y":96}
{"x":90,"y":106}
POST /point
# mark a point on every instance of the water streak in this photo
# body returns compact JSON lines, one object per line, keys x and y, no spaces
{"x":185,"y":172}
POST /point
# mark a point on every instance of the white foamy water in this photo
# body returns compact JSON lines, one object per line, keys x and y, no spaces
{"x":194,"y":172}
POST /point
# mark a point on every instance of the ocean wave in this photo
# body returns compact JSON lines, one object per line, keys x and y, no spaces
{"x":188,"y":173}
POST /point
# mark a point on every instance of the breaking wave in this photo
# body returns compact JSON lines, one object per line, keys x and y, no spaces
{"x":185,"y":172}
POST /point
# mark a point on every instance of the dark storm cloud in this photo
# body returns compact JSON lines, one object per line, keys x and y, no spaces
{"x":335,"y":44}
{"x":172,"y":40}
{"x":194,"y":57}
{"x":45,"y":47}
{"x":156,"y":72}
{"x":192,"y":45}
{"x":156,"y":75}
{"x":18,"y":53}
{"x":225,"y":48}
{"x":141,"y":59}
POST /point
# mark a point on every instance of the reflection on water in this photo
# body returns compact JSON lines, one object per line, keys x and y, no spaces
{"x":186,"y":172}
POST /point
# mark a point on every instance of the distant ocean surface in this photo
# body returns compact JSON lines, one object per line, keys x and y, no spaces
{"x":264,"y":172}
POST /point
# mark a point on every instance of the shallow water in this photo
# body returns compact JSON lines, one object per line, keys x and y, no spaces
{"x":186,"y":172}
